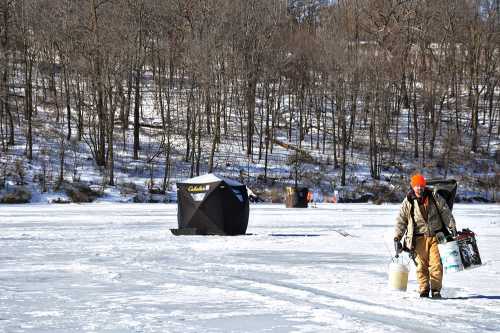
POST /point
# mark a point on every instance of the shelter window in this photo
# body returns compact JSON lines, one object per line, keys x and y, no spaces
{"x":198,"y":196}
{"x":238,"y":194}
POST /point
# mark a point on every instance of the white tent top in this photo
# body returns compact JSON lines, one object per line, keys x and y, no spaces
{"x":210,"y":178}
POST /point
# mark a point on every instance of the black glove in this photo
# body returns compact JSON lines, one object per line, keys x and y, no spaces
{"x":398,"y":247}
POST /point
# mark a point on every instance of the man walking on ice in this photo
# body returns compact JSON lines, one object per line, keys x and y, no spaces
{"x":422,"y":215}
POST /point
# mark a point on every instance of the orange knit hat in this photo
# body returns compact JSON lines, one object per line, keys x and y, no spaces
{"x":418,"y":179}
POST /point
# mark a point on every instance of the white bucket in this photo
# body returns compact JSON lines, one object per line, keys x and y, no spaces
{"x":450,"y":257}
{"x":398,"y":276}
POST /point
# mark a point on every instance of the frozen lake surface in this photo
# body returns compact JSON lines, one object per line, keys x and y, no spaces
{"x":117,"y":268}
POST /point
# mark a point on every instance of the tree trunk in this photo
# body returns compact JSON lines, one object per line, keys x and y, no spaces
{"x":5,"y":73}
{"x":62,"y":153}
{"x":189,"y":123}
{"x":28,"y":102}
{"x":101,"y":137}
{"x":475,"y":121}
{"x":373,"y":152}
{"x":79,"y":110}
{"x":343,"y":129}
{"x":97,"y":58}
{"x":415,"y":122}
{"x":111,"y":129}
{"x":334,"y":136}
{"x":68,"y":101}
{"x":215,"y":139}
{"x":137,"y":106}
{"x":198,"y":145}
{"x":6,"y":106}
{"x":435,"y":121}
{"x":250,"y":106}
{"x":269,"y":106}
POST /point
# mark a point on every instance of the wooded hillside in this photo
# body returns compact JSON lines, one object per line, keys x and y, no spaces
{"x":391,"y":84}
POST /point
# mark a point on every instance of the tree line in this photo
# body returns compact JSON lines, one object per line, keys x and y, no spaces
{"x":387,"y":76}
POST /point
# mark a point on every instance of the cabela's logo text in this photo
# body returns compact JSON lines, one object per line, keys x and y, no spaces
{"x":197,"y":188}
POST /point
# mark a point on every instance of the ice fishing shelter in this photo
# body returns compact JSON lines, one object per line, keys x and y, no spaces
{"x":446,"y":188}
{"x":296,"y":197}
{"x":211,"y":205}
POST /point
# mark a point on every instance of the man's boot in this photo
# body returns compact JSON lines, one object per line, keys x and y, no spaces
{"x":436,"y":294}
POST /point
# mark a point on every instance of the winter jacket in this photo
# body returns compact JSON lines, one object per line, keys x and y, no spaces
{"x":427,"y":227}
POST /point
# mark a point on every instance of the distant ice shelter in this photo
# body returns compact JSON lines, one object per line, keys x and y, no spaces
{"x":296,"y":197}
{"x":446,"y":188}
{"x":211,"y":205}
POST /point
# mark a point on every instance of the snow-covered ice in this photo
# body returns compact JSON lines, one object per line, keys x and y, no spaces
{"x":117,"y":268}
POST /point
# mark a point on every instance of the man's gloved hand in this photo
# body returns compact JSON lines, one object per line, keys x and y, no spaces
{"x":398,"y":247}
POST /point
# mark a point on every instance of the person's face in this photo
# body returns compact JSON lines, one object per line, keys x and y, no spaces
{"x":418,"y":189}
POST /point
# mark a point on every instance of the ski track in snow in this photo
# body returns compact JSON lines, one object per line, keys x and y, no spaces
{"x":117,"y":268}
